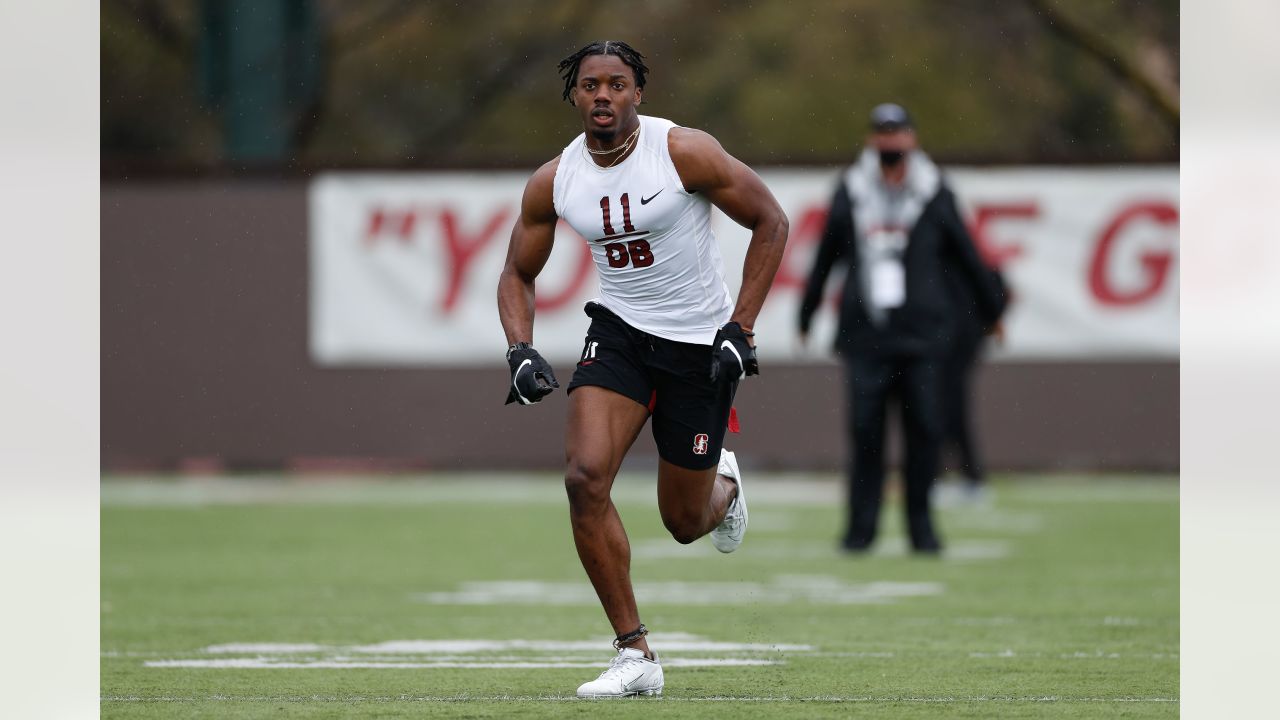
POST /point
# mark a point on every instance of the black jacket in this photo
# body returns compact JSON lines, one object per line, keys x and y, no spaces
{"x":940,"y":259}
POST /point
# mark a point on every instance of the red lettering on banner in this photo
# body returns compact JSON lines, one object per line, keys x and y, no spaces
{"x":1157,"y":264}
{"x":986,"y":215}
{"x":397,"y":223}
{"x":813,"y":220}
{"x":462,"y":248}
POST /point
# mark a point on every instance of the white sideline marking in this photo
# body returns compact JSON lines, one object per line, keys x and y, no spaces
{"x":486,"y":488}
{"x":666,"y":699}
{"x":854,"y":654}
{"x":1002,"y":654}
{"x":769,"y":489}
{"x":512,"y":653}
{"x":245,"y":648}
{"x":662,"y":549}
{"x":1009,"y":521}
{"x":960,"y":550}
{"x":264,"y":663}
{"x":681,"y":643}
{"x":981,"y":621}
{"x":667,"y":641}
{"x":1148,"y":489}
{"x":817,"y":589}
{"x":1095,"y":655}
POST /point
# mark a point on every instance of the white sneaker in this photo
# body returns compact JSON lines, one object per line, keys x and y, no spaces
{"x":728,"y":534}
{"x":630,"y":673}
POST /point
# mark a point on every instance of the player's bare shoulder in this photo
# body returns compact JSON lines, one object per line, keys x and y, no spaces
{"x":699,"y":158}
{"x":538,"y":203}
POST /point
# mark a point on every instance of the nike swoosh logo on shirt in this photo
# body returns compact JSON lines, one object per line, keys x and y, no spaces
{"x":645,"y":200}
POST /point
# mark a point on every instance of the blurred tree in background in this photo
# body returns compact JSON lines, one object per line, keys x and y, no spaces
{"x":209,"y":84}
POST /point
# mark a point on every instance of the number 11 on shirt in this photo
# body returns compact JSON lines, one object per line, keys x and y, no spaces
{"x":626,"y":215}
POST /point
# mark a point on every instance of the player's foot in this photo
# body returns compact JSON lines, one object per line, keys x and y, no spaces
{"x":924,"y":541}
{"x":630,"y":673}
{"x":728,"y":534}
{"x":855,"y":544}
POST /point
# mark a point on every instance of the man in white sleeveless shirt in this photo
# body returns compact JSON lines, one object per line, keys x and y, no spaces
{"x":666,"y":340}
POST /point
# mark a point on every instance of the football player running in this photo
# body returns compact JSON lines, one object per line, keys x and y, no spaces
{"x":666,"y":341}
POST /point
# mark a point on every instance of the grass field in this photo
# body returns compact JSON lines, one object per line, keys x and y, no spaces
{"x":461,"y":596}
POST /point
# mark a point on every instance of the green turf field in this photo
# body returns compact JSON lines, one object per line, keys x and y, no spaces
{"x":461,"y":596}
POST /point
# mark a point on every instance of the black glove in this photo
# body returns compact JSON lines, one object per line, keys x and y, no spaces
{"x":731,"y":356}
{"x":531,"y":376}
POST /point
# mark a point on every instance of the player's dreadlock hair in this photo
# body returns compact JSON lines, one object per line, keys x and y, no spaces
{"x":569,"y":66}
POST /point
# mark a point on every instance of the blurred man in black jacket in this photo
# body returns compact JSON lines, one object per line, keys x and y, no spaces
{"x":894,"y":223}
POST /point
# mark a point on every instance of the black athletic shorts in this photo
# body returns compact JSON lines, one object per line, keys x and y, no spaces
{"x":673,"y":379}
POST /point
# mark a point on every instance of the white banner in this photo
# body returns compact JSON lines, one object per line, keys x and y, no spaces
{"x":404,"y":267}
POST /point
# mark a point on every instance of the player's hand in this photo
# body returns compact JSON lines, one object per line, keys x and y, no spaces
{"x":531,"y":376}
{"x":733,"y":356}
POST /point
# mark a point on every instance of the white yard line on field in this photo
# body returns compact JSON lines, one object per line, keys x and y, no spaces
{"x":782,"y":589}
{"x":1094,"y":655}
{"x":485,"y":488}
{"x":1083,"y":489}
{"x":663,"y":549}
{"x":670,"y":641}
{"x":947,"y":699}
{"x":245,"y":648}
{"x":679,"y":650}
{"x":546,"y":488}
{"x":262,"y":663}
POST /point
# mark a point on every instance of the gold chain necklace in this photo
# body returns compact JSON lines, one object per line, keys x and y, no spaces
{"x":625,"y":143}
{"x":621,"y":149}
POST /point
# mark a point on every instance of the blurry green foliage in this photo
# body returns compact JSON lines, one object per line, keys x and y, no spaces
{"x":473,"y":82}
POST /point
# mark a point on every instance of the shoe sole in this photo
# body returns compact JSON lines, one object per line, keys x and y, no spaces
{"x":638,"y":693}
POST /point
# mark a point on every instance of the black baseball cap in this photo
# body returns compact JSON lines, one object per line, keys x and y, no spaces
{"x":888,"y":117}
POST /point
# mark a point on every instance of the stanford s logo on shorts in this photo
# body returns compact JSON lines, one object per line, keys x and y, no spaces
{"x":700,"y":444}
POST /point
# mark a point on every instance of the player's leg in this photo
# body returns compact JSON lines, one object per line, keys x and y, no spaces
{"x":608,"y":405}
{"x":695,"y":488}
{"x":922,"y":420}
{"x":602,"y":426}
{"x":869,"y":379}
{"x":692,"y":502}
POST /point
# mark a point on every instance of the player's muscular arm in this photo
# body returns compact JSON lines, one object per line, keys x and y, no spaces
{"x":531,"y":241}
{"x":733,"y":187}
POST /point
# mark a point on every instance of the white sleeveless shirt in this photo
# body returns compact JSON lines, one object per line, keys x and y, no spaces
{"x":659,"y":265}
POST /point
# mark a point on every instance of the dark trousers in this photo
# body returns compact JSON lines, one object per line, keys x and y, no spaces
{"x":957,"y":374}
{"x":872,"y":381}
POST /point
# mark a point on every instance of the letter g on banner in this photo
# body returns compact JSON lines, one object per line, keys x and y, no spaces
{"x":1157,"y":264}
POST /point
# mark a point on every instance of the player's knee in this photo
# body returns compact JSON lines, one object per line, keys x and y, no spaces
{"x":587,"y":486}
{"x":685,"y":529}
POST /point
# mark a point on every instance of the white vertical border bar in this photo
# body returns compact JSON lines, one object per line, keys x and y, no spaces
{"x":1230,"y":358}
{"x":49,"y":283}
